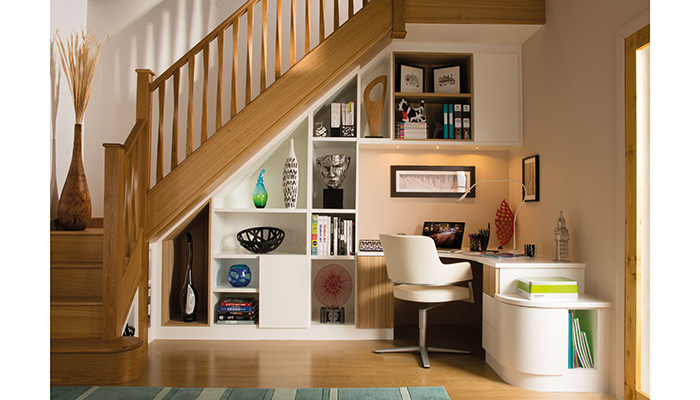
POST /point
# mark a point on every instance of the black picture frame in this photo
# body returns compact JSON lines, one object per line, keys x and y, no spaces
{"x":531,"y":178}
{"x":432,"y":180}
{"x":407,"y":71}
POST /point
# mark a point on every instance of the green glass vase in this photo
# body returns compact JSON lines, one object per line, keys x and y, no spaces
{"x":260,"y":194}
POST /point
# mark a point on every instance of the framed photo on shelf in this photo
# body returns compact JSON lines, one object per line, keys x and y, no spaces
{"x":432,"y":181}
{"x":531,"y":178}
{"x":412,"y":78}
{"x":446,"y":79}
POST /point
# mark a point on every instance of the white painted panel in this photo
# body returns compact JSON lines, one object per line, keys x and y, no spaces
{"x":489,"y":310}
{"x":488,"y":338}
{"x":285,"y":284}
{"x":532,"y":340}
{"x":496,"y":108}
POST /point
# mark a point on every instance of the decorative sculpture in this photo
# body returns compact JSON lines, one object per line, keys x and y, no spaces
{"x":332,"y":288}
{"x":259,"y":193}
{"x":290,"y":178}
{"x":333,"y":169}
{"x":504,"y":224}
{"x":561,"y":240}
{"x":374,"y":109}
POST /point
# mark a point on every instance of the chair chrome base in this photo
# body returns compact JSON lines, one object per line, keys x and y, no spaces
{"x":422,"y":348}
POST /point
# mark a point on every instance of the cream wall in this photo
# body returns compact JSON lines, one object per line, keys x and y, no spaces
{"x":381,"y":213}
{"x":571,"y":113}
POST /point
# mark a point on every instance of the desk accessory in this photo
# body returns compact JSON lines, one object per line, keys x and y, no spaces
{"x":515,"y":216}
{"x":370,"y":245}
{"x":333,"y":169}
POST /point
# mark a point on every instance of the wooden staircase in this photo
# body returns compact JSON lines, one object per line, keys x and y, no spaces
{"x":79,"y":352}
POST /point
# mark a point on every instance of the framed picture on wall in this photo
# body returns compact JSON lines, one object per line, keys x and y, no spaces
{"x":432,"y":181}
{"x":412,"y":78}
{"x":446,"y":80}
{"x":531,"y":178}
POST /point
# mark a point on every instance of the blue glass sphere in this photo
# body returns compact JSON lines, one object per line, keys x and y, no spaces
{"x":239,"y":275}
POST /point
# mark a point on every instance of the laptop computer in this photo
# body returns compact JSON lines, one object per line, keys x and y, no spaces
{"x":447,"y":235}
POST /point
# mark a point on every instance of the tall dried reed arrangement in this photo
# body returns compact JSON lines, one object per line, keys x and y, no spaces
{"x":79,"y":57}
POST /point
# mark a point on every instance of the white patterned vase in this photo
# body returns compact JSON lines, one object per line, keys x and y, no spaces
{"x":290,"y":178}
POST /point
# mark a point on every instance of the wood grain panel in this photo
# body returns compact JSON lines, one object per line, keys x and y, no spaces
{"x":491,"y":280}
{"x":375,"y":294}
{"x":200,"y":173}
{"x":76,"y":320}
{"x":95,"y":362}
{"x":476,"y":11}
{"x":82,"y":247}
{"x":86,"y":280}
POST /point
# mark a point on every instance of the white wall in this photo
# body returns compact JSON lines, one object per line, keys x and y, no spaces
{"x":572,"y":120}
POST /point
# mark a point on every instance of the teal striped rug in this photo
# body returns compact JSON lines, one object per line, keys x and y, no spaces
{"x":165,"y":393}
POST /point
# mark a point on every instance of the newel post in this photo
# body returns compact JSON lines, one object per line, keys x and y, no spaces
{"x":399,"y":19}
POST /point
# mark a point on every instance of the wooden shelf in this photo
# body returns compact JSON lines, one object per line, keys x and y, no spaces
{"x":432,"y":97}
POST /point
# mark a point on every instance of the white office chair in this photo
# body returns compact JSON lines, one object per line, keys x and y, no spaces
{"x":413,"y":264}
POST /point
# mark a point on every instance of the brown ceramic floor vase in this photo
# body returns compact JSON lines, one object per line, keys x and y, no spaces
{"x":74,"y":206}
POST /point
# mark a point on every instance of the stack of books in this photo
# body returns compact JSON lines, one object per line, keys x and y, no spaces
{"x":332,"y":236}
{"x":580,"y":355}
{"x":411,"y":130}
{"x":548,"y":288}
{"x":457,"y":121}
{"x":343,"y":119}
{"x":237,"y":311}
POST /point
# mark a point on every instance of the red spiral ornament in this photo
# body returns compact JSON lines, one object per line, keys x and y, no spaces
{"x":504,"y":223}
{"x":332,"y":286}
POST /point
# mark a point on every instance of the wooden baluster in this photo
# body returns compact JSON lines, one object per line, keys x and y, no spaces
{"x":249,"y":58}
{"x":128,"y":204}
{"x":278,"y":42}
{"x":143,"y":112}
{"x":350,"y":9}
{"x":293,"y":35}
{"x":336,"y":16}
{"x":190,"y":107}
{"x":176,"y":105}
{"x":220,"y":80}
{"x":321,"y":20}
{"x":307,"y":28}
{"x":205,"y":94}
{"x":263,"y":49}
{"x":234,"y":72}
{"x":364,"y":3}
{"x":161,"y":118}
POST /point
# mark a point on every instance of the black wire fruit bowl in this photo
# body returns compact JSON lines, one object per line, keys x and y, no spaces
{"x":261,"y":239}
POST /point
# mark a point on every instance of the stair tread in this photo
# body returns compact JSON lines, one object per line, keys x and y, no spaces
{"x":94,"y":345}
{"x":76,"y":300}
{"x":86,"y":232}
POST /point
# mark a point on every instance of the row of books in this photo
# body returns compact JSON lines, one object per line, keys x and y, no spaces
{"x":411,"y":130}
{"x":332,"y":236}
{"x":580,"y":355}
{"x":456,"y":120}
{"x":237,"y":311}
{"x":343,"y":119}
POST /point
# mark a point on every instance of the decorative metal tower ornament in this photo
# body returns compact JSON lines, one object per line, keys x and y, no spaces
{"x":561,"y":240}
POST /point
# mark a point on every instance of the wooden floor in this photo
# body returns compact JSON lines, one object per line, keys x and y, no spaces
{"x":314,"y":364}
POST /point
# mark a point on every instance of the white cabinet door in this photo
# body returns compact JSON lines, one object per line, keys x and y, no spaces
{"x":285,"y":291}
{"x":497,"y":114}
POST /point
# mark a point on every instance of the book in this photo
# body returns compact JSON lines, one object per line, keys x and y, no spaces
{"x":451,"y":120}
{"x":237,"y":322}
{"x":458,"y":121}
{"x":237,"y":308}
{"x":335,"y":119}
{"x":233,"y":317}
{"x":348,"y":119}
{"x":314,"y":235}
{"x":580,"y":355}
{"x":466,"y":122}
{"x":238,"y":301}
{"x":445,"y":121}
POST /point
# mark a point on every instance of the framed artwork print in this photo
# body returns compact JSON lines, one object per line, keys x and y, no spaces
{"x":432,"y":181}
{"x":446,"y":80}
{"x":531,"y":178}
{"x":411,"y":78}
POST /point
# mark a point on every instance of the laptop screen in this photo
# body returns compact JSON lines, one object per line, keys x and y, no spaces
{"x":447,"y":235}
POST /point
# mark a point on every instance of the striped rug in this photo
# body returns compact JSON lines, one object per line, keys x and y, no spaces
{"x":172,"y":393}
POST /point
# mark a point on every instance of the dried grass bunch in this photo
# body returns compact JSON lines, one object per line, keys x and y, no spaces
{"x":79,"y":57}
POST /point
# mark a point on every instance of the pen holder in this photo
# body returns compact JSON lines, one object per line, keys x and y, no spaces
{"x":484,"y":240}
{"x":474,"y":244}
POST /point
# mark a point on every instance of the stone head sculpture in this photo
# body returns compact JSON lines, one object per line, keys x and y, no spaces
{"x":333,"y":168}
